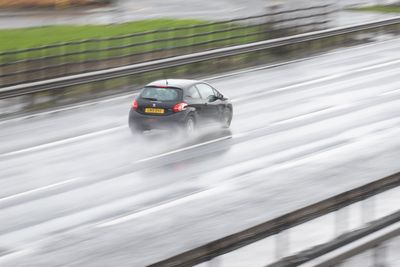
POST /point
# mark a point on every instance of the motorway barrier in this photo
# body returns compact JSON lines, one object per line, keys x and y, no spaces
{"x":56,"y":60}
{"x":51,"y":93}
{"x":304,"y":257}
{"x":378,"y":242}
{"x":95,"y":76}
{"x":208,"y":252}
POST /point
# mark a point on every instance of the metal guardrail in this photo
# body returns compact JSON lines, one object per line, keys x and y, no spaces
{"x":95,"y":76}
{"x":375,"y":242}
{"x":341,"y":241}
{"x":233,"y":242}
{"x":68,"y":58}
{"x":57,"y":83}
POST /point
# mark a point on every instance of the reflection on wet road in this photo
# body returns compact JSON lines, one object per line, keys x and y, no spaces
{"x":75,"y":185}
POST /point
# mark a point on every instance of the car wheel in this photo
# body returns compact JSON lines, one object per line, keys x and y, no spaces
{"x":136,"y":132}
{"x":189,"y":126}
{"x":226,"y":118}
{"x":135,"y":129}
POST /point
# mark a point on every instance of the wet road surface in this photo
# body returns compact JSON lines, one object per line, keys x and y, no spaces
{"x":77,"y":189}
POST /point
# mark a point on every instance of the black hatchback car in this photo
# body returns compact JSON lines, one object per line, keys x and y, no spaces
{"x":179,"y":104}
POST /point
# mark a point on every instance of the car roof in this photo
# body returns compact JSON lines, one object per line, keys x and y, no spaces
{"x":179,"y":83}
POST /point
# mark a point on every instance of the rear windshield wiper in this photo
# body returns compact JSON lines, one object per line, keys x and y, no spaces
{"x":150,"y":98}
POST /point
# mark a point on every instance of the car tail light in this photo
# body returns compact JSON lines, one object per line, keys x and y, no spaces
{"x":179,"y":107}
{"x":135,"y":104}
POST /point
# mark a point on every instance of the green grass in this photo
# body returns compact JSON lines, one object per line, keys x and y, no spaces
{"x":380,"y":8}
{"x":36,"y":37}
{"x":12,"y":39}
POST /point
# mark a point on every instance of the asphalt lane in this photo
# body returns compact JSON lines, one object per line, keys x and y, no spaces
{"x":77,"y":189}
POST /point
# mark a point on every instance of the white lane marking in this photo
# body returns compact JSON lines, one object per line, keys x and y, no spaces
{"x":81,"y":105}
{"x":326,"y":78}
{"x":16,"y":254}
{"x":246,"y":133}
{"x":290,"y":87}
{"x":61,"y":142}
{"x":162,"y":206}
{"x":184,"y":149}
{"x":220,"y":187}
{"x":318,"y":80}
{"x":299,"y":60}
{"x":224,"y":185}
{"x":308,"y":115}
{"x":303,"y":150}
{"x":128,"y":95}
{"x":391,"y":92}
{"x":74,"y":139}
{"x":374,"y":136}
{"x":40,"y":189}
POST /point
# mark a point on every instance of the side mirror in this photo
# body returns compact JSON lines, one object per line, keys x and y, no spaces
{"x":212,"y":98}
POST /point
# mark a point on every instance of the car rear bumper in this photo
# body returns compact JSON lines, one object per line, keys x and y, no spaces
{"x":148,"y":122}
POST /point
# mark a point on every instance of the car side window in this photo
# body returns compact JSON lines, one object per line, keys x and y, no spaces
{"x":205,"y":90}
{"x":192,"y":92}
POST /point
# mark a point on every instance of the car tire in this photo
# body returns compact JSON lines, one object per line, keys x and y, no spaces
{"x":226,"y":118}
{"x":189,"y":126}
{"x":135,"y":129}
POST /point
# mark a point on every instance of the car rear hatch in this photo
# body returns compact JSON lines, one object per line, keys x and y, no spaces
{"x":158,"y":101}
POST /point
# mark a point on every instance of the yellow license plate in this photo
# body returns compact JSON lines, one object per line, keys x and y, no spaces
{"x":154,"y":110}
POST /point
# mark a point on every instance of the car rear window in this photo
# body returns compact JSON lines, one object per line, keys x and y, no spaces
{"x":160,"y":93}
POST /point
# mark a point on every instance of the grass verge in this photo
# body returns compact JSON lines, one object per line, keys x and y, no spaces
{"x":13,"y":39}
{"x":380,"y":8}
{"x":206,"y":36}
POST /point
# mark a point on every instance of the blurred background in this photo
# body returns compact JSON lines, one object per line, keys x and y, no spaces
{"x":307,"y":174}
